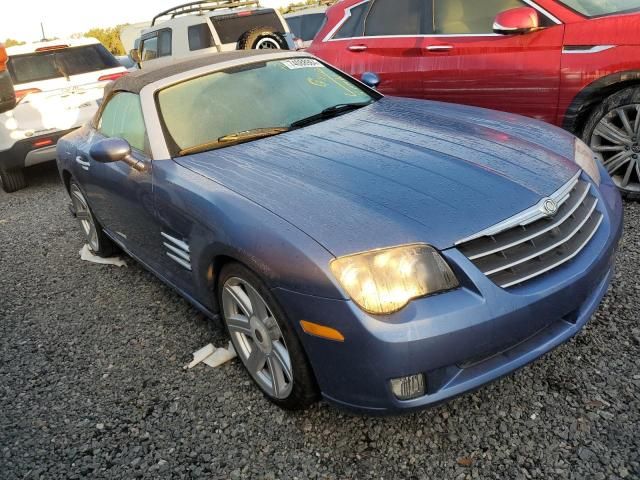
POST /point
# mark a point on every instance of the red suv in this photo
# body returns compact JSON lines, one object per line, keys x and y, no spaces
{"x":573,"y":63}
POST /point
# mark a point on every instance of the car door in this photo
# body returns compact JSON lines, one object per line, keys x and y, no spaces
{"x":469,"y":64}
{"x":387,"y":37}
{"x":119,"y":194}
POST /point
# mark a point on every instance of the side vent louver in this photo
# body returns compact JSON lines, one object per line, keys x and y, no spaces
{"x":177,"y":250}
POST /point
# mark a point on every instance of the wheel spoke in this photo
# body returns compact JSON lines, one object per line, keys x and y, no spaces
{"x":258,"y":307}
{"x":240,"y":299}
{"x":281,"y":356}
{"x":256,"y":360}
{"x":278,"y":382}
{"x":93,"y":237}
{"x":610,"y":132}
{"x":239,"y":324}
{"x":616,"y":161}
{"x":627,"y":175}
{"x":608,"y":148}
{"x":625,"y":121}
{"x":82,"y":215}
{"x":636,"y":127}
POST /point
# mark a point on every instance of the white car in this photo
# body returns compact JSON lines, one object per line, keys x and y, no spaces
{"x":214,"y":26}
{"x":59,"y":86}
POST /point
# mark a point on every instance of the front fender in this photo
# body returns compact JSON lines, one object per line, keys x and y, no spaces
{"x":218,"y":222}
{"x":593,"y":94}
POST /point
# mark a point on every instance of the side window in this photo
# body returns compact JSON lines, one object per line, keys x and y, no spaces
{"x":149,"y":48}
{"x":354,"y":26}
{"x":122,"y":118}
{"x":399,"y":17}
{"x":199,"y":37}
{"x":311,"y":25}
{"x":164,"y":43}
{"x":156,"y":45}
{"x":470,"y":16}
{"x":295,"y":25}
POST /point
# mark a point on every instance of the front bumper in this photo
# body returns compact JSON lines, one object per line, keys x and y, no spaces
{"x":462,"y":339}
{"x":26,"y":153}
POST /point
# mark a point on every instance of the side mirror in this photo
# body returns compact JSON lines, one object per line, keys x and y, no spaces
{"x":135,"y":55}
{"x":371,"y":80}
{"x":110,"y":150}
{"x":516,"y":21}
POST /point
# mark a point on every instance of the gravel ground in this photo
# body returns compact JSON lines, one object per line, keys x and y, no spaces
{"x":92,"y":384}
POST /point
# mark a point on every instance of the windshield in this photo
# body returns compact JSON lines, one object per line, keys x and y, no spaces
{"x":254,"y":101}
{"x":34,"y":67}
{"x":598,"y":8}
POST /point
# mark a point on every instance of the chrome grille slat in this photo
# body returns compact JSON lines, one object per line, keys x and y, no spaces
{"x":522,"y":251}
{"x":559,"y":262}
{"x":541,"y":248}
{"x":513,"y":237}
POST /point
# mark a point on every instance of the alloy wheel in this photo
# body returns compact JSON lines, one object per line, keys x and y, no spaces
{"x":267,"y":44}
{"x":86,"y":218}
{"x":617,"y":138}
{"x":257,"y":337}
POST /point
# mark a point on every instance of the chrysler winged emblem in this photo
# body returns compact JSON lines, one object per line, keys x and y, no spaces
{"x":549,"y":207}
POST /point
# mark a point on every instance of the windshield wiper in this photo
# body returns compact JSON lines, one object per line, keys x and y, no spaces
{"x":253,"y":134}
{"x":235,"y":138}
{"x":329,"y":113}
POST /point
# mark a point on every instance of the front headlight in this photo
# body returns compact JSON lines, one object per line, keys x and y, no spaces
{"x":587,"y":160}
{"x":384,"y":281}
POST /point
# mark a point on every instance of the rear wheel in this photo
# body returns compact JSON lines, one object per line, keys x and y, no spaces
{"x":99,"y":243}
{"x":265,"y":342}
{"x":12,"y":180}
{"x":262,"y":38}
{"x":613,"y":130}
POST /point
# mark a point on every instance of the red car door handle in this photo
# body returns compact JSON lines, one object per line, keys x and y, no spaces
{"x":439,"y":48}
{"x":358,"y":48}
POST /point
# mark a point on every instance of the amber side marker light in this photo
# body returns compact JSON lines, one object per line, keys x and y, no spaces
{"x":42,"y":143}
{"x":321,"y":331}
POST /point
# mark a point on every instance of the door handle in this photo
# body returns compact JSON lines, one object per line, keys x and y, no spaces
{"x":439,"y":48}
{"x":84,"y":164}
{"x":358,"y":48}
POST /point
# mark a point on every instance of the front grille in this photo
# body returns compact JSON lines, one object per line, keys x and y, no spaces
{"x":536,"y":243}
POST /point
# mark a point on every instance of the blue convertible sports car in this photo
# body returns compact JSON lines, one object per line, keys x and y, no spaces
{"x":385,"y":253}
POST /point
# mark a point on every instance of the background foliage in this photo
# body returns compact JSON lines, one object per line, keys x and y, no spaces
{"x":110,"y":38}
{"x":10,"y":42}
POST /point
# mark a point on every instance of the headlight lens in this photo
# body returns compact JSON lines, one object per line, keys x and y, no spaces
{"x":384,"y":281}
{"x":587,"y":160}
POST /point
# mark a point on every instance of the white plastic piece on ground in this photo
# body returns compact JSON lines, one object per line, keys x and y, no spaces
{"x":212,"y":356}
{"x":221,"y":356}
{"x":88,"y":256}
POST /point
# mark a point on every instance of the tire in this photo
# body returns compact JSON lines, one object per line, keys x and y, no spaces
{"x":262,"y":38}
{"x":266,"y":333}
{"x":12,"y":180}
{"x":99,"y":243}
{"x":613,"y":130}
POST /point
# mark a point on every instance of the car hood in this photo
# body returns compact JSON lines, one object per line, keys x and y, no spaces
{"x":396,"y":172}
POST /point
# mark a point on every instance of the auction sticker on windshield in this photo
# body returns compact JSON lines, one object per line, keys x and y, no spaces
{"x":297,"y":63}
